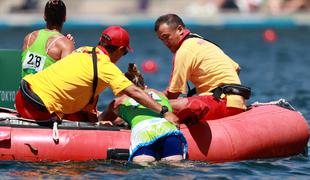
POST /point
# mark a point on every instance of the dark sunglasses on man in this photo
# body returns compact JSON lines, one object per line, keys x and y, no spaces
{"x":125,"y":51}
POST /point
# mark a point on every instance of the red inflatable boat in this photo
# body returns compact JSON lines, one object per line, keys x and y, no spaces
{"x":262,"y":132}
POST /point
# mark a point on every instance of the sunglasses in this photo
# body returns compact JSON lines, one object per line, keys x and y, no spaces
{"x":125,"y":51}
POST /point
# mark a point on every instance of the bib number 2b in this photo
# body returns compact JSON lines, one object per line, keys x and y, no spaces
{"x":34,"y":61}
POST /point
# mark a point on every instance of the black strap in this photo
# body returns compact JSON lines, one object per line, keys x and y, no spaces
{"x":95,"y":78}
{"x":236,"y":89}
{"x":193,"y":35}
{"x":190,"y":91}
{"x":31,"y":97}
{"x":217,"y":92}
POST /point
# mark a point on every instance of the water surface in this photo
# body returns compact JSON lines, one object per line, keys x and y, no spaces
{"x":273,"y":70}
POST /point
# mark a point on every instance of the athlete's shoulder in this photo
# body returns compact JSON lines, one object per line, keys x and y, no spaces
{"x":30,"y":38}
{"x":32,"y":35}
{"x":64,"y":42}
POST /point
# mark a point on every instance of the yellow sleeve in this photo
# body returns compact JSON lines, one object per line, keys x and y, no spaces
{"x":119,"y":84}
{"x":235,"y":65}
{"x":113,"y":76}
{"x":180,"y":72}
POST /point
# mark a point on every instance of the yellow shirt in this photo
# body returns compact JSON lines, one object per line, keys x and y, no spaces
{"x":207,"y":67}
{"x":66,"y":86}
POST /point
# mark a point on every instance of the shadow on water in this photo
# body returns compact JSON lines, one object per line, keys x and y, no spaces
{"x":255,"y":169}
{"x":108,"y":169}
{"x":67,"y":169}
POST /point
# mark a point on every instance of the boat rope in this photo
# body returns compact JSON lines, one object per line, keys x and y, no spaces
{"x":55,"y":132}
{"x":9,"y":117}
{"x":281,"y":102}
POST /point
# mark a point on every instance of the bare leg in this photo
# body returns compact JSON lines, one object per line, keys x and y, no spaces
{"x":143,"y":158}
{"x":173,"y":158}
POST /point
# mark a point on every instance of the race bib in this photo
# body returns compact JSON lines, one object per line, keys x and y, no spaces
{"x":34,"y":61}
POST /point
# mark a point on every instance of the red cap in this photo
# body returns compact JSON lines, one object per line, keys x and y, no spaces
{"x":116,"y":36}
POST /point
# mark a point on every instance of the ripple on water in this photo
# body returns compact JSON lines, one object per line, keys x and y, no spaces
{"x":278,"y":70}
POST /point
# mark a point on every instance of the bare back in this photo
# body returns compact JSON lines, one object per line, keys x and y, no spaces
{"x":57,"y":46}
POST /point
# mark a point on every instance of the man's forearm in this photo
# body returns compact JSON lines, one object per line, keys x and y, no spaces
{"x":143,"y":98}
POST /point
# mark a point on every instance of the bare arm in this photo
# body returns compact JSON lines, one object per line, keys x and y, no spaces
{"x":144,"y":99}
{"x":171,"y":95}
{"x":238,"y":70}
{"x":111,"y":112}
{"x":141,"y":97}
{"x":29,"y":39}
{"x":61,"y":48}
{"x":66,"y":46}
{"x":25,"y":42}
{"x":108,"y":114}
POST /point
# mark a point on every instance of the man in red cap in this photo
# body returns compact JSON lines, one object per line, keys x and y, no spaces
{"x":69,"y":88}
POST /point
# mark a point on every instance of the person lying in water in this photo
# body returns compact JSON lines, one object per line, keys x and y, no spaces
{"x":152,"y":136}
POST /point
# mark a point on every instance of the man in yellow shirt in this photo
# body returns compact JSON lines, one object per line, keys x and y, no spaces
{"x":214,"y":74}
{"x":69,"y":86}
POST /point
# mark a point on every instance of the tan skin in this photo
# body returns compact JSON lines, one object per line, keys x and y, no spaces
{"x":171,"y":37}
{"x":61,"y":48}
{"x":138,"y":94}
{"x":111,"y":113}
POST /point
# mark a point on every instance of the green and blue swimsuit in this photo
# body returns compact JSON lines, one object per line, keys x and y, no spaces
{"x":148,"y":126}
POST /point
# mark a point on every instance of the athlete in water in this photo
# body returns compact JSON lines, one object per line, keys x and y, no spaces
{"x":153,"y":137}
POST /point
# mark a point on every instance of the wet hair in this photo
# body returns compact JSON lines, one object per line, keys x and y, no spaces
{"x":171,"y":20}
{"x":134,"y":75}
{"x":55,"y":13}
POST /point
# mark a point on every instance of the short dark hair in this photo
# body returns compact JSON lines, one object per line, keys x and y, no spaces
{"x":55,"y":13}
{"x":171,"y":20}
{"x":109,"y":48}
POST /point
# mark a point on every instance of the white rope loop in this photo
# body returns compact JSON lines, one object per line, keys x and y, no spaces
{"x":55,"y":132}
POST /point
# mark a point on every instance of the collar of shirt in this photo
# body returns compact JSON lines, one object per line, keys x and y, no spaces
{"x":103,"y":50}
{"x":186,"y":32}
